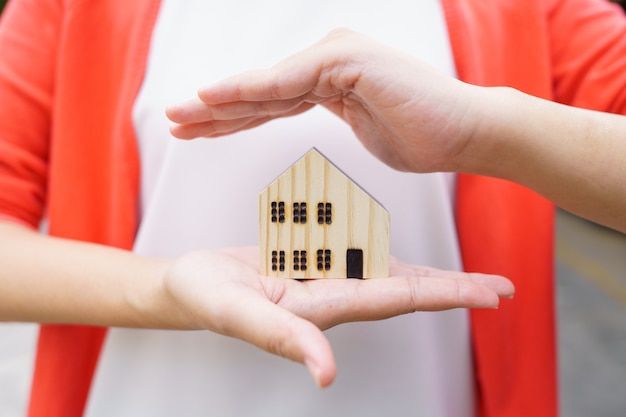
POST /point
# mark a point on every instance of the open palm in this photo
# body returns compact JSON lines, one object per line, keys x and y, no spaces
{"x":222,"y":291}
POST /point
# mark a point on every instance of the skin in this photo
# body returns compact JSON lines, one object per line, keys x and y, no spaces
{"x":416,"y":119}
{"x":216,"y":290}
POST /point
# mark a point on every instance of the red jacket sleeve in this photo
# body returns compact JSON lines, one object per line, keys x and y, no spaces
{"x":588,"y":51}
{"x":27,"y":60}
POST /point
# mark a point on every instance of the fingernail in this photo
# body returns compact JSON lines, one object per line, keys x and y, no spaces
{"x":315,"y":371}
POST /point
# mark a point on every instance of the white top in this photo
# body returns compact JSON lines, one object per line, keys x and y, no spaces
{"x":204,"y":194}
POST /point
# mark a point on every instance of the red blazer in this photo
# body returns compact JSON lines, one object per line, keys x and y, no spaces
{"x":70,"y":71}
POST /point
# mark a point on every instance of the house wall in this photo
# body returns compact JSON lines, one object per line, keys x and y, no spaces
{"x":358,"y":222}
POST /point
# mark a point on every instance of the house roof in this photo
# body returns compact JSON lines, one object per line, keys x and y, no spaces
{"x":315,"y":150}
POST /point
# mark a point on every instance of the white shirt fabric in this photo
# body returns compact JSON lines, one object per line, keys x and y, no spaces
{"x":204,"y":194}
{"x":17,"y":353}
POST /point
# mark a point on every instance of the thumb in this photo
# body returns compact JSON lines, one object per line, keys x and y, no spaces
{"x":283,"y":333}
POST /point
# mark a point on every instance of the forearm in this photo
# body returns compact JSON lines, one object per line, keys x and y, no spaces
{"x":46,"y":279}
{"x":573,"y":157}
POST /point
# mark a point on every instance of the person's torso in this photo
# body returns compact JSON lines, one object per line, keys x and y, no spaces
{"x":204,"y":194}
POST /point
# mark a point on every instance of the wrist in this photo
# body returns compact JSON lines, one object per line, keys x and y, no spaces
{"x":150,"y":299}
{"x":492,"y":142}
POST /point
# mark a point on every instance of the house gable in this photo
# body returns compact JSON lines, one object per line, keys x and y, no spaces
{"x":315,"y":222}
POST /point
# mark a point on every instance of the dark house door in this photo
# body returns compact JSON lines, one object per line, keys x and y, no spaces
{"x":354,"y":262}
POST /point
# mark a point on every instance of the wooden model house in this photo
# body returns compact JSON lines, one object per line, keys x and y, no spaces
{"x":315,"y":222}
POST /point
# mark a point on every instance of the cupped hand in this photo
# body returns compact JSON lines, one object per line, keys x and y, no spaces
{"x":407,"y":114}
{"x":222,"y":291}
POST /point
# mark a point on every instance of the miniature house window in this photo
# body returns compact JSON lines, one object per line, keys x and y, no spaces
{"x":299,"y":260}
{"x":324,"y":213}
{"x":323,"y":260}
{"x":299,"y":213}
{"x":278,"y":211}
{"x":278,"y":260}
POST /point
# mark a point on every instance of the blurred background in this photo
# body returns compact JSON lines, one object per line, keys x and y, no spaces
{"x":591,"y":308}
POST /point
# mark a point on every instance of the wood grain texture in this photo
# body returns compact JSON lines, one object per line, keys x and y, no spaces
{"x":357,"y":221}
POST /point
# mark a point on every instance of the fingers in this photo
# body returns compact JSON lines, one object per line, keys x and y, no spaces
{"x":212,"y":128}
{"x":502,"y":286}
{"x":195,"y":119}
{"x":195,"y":111}
{"x":261,"y":85}
{"x":291,"y":87}
{"x":379,"y":299}
{"x":414,"y":289}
